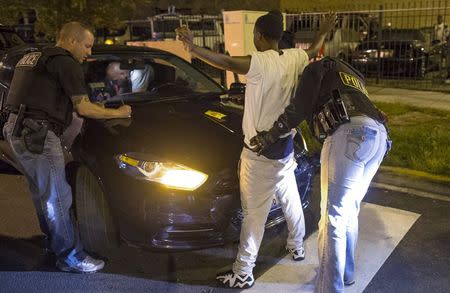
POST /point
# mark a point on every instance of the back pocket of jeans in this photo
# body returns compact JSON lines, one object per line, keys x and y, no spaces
{"x":360,"y":144}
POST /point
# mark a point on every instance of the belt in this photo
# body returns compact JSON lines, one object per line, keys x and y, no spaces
{"x":56,"y":128}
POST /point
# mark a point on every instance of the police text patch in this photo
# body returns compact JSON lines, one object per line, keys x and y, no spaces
{"x":30,"y":59}
{"x":352,"y":81}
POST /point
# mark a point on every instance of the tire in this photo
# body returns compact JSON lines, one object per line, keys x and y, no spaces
{"x":97,"y":230}
{"x":6,"y":168}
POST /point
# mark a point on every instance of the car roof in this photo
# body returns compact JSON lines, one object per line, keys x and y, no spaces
{"x":123,"y":49}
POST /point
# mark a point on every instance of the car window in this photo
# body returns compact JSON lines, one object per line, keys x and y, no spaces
{"x":142,"y":31}
{"x":166,"y":25}
{"x":138,"y":78}
{"x":402,"y":35}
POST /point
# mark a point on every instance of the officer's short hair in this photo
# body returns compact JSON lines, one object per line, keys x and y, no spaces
{"x":270,"y":25}
{"x":73,"y":30}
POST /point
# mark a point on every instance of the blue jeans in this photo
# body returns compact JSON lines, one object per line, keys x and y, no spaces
{"x":349,"y":160}
{"x":51,"y":195}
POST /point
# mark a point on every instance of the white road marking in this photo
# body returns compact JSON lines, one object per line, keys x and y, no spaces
{"x":380,"y":230}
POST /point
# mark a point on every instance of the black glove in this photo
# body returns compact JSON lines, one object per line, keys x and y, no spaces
{"x":263,"y":140}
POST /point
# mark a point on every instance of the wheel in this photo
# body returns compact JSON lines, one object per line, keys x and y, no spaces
{"x":304,"y":175}
{"x":97,"y":230}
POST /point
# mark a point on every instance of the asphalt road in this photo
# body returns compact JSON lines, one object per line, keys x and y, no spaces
{"x":418,"y":262}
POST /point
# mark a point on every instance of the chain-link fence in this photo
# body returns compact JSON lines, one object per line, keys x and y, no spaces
{"x":397,"y":45}
{"x":394,"y":45}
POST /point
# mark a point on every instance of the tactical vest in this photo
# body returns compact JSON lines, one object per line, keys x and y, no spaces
{"x":350,"y":83}
{"x":39,"y":89}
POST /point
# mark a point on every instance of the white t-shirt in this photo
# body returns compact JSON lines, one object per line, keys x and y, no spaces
{"x":271,"y":82}
{"x":140,"y":78}
{"x":441,"y":32}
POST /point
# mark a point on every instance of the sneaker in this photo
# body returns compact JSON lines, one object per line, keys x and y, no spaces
{"x":87,"y":265}
{"x":349,"y":283}
{"x":229,"y":279}
{"x":297,"y":254}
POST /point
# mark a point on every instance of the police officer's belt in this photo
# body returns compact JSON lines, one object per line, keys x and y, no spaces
{"x":42,"y":118}
{"x":337,"y":110}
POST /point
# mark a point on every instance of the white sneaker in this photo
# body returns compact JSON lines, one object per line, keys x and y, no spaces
{"x":297,"y":253}
{"x":229,"y":279}
{"x":87,"y":265}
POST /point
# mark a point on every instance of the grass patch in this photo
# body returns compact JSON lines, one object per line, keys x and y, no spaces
{"x":421,"y":138}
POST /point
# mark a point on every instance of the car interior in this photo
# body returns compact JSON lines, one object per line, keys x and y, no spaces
{"x":149,"y":75}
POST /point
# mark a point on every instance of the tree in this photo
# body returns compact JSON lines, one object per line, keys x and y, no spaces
{"x":52,"y":14}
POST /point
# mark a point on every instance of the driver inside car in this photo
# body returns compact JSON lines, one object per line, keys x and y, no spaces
{"x":116,"y":82}
{"x":140,"y":78}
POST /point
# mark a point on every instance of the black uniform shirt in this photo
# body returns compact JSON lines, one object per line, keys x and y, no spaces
{"x":316,"y":84}
{"x":45,"y":81}
{"x":69,"y":74}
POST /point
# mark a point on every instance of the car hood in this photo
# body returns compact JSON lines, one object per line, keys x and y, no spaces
{"x":199,"y":133}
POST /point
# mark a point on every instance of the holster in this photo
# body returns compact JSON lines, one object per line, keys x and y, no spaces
{"x":18,"y":124}
{"x":330,"y":116}
{"x":34,"y":134}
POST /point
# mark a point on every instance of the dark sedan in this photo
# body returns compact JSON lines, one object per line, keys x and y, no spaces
{"x":396,"y":53}
{"x":167,"y":177}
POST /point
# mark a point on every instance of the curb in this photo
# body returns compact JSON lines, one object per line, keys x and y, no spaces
{"x":404,"y":180}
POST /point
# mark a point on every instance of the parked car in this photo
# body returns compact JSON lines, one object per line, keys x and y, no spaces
{"x":167,"y":177}
{"x":397,"y":53}
{"x":350,"y":29}
{"x":8,"y":39}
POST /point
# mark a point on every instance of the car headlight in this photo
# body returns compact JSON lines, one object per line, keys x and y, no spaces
{"x":172,"y":175}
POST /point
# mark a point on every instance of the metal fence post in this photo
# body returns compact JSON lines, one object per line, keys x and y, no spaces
{"x":203,"y":30}
{"x":379,"y":31}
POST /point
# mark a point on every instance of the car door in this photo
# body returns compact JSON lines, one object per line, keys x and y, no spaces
{"x":6,"y":154}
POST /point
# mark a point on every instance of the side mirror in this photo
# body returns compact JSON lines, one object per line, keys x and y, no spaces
{"x":236,"y":93}
{"x":237,"y":88}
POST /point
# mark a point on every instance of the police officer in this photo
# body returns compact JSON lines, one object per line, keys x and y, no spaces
{"x":333,"y":99}
{"x":272,"y":77}
{"x":47,"y":86}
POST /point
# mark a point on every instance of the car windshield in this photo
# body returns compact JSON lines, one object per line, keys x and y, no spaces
{"x":135,"y":79}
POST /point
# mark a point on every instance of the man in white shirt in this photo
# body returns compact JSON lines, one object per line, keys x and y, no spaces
{"x":272,"y":76}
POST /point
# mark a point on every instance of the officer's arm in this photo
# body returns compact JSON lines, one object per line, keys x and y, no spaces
{"x":240,"y":65}
{"x":327,"y":23}
{"x":306,"y":95}
{"x":298,"y":110}
{"x":85,"y":108}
